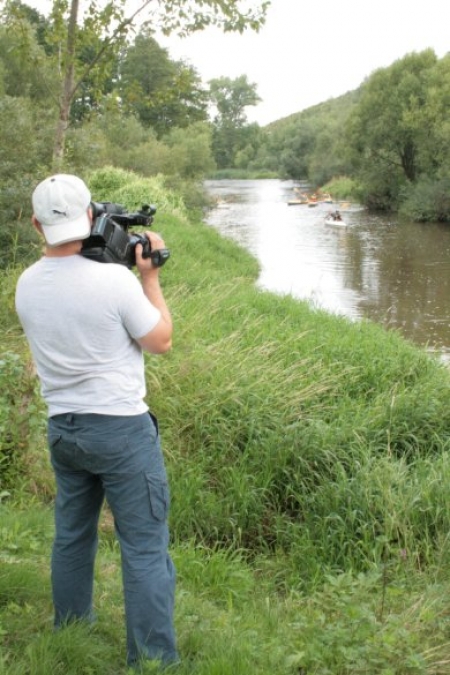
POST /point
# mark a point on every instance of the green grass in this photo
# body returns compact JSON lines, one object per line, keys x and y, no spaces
{"x":310,"y":471}
{"x":231,"y":617}
{"x":242,"y":174}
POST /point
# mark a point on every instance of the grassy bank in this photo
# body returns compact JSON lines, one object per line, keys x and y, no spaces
{"x":242,"y":174}
{"x":310,"y":471}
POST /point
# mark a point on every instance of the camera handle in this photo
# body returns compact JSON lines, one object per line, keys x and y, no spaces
{"x":158,"y":257}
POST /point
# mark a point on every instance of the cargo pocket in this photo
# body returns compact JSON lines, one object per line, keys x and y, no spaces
{"x":159,"y":494}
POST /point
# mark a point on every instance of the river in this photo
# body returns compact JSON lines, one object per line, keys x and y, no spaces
{"x":376,"y":267}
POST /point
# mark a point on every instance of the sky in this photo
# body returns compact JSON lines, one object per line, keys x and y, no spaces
{"x":309,"y":52}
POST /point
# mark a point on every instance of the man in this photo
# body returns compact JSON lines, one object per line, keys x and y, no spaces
{"x":87,"y":324}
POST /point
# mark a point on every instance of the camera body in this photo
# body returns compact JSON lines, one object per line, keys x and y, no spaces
{"x":110,"y":240}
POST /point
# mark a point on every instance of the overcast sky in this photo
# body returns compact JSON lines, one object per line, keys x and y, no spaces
{"x":308,"y":52}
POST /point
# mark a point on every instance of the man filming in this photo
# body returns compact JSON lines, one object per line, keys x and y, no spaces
{"x":87,"y":325}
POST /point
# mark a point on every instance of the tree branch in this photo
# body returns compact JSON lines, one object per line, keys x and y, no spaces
{"x":126,"y":23}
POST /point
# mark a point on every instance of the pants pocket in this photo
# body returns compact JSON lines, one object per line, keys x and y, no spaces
{"x":53,"y":440}
{"x":155,"y":421}
{"x":159,"y":494}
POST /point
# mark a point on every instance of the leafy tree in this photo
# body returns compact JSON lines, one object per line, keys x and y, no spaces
{"x":232,"y":97}
{"x":386,"y":129}
{"x":191,"y":155}
{"x":163,"y":93}
{"x":26,"y":132}
{"x":20,"y":12}
{"x":434,"y":135}
{"x":231,"y":133}
{"x":24,"y":66}
{"x":289,"y":145}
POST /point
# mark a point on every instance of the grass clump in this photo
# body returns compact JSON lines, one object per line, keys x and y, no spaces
{"x":310,"y":469}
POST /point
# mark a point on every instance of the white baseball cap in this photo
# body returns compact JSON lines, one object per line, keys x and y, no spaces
{"x":60,"y":204}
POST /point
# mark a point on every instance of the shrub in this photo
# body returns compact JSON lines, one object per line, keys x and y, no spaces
{"x":426,"y":201}
{"x":17,"y":405}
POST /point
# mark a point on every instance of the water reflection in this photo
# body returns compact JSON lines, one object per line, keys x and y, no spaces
{"x":394,"y":273}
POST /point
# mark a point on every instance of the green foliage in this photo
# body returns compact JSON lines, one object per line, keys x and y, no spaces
{"x":84,"y":45}
{"x":162,"y":93}
{"x":229,"y":15}
{"x":427,"y":200}
{"x":284,"y":442}
{"x":396,"y":130}
{"x":390,"y":136}
{"x":310,"y":144}
{"x":343,"y":187}
{"x":24,"y":148}
{"x":26,"y":70}
{"x":132,"y":190}
{"x":231,"y":97}
{"x":234,"y":142}
{"x":241,"y":174}
{"x":17,"y":403}
{"x":190,"y":152}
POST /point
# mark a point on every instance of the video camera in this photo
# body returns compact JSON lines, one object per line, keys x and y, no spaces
{"x":111,"y":242}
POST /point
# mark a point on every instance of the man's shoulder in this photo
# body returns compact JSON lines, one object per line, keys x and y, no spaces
{"x":30,"y":271}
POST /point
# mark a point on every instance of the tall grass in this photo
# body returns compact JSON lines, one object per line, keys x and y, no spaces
{"x":287,"y":439}
{"x":310,"y":471}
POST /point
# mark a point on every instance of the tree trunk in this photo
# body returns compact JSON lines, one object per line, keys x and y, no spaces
{"x":67,"y":89}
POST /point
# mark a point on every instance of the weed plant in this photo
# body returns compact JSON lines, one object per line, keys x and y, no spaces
{"x":310,"y":471}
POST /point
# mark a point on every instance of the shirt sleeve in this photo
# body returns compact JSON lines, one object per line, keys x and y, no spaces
{"x":138,"y":314}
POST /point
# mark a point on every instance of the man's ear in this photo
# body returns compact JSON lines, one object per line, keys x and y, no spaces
{"x":36,"y":224}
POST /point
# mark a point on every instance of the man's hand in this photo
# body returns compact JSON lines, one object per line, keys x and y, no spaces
{"x":159,"y":340}
{"x":145,"y":265}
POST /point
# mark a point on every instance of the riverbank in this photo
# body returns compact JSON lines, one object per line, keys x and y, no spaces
{"x":310,"y":472}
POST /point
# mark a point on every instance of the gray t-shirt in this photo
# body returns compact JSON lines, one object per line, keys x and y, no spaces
{"x":82,"y":319}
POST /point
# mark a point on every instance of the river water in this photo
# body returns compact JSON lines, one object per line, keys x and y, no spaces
{"x":394,"y":273}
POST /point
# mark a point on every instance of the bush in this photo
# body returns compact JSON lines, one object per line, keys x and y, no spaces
{"x":17,"y":409}
{"x":426,"y":201}
{"x":343,"y":188}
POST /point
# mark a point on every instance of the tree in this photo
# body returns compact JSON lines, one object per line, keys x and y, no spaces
{"x":25,"y":72}
{"x":386,"y":129}
{"x":230,"y":129}
{"x":163,"y":93}
{"x":231,"y":98}
{"x":112,"y":24}
{"x":190,"y":155}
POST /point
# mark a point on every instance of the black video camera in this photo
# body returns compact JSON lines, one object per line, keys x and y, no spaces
{"x":111,"y":242}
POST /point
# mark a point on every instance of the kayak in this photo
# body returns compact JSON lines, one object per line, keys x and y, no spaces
{"x":336,"y":222}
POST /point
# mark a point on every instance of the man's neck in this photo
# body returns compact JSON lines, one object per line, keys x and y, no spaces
{"x":71,"y":248}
